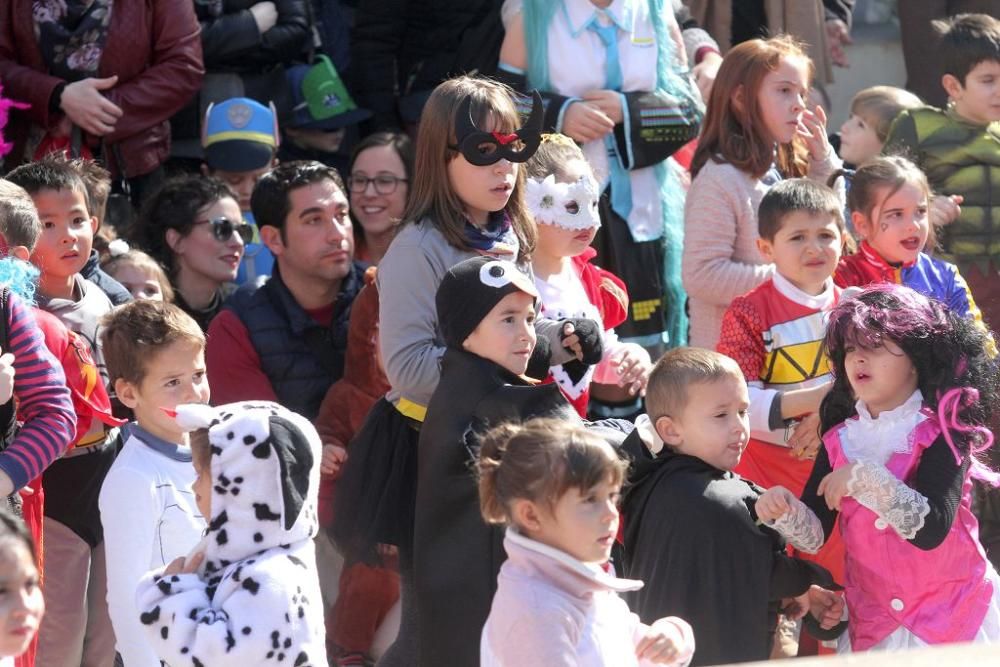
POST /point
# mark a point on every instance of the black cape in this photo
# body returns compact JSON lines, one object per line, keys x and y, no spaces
{"x":691,"y":535}
{"x":457,"y":556}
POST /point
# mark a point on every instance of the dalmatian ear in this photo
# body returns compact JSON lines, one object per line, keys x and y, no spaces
{"x":193,"y":416}
{"x":295,"y":458}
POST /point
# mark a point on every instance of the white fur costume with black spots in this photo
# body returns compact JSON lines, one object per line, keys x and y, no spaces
{"x":256,"y":599}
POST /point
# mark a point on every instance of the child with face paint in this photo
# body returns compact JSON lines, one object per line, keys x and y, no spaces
{"x":562,"y":197}
{"x":890,"y":206}
{"x":466,"y":200}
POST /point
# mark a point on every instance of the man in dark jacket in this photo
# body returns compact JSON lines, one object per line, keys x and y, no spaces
{"x":284,"y":339}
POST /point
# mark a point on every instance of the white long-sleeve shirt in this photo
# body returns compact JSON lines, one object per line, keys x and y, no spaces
{"x":150,"y":518}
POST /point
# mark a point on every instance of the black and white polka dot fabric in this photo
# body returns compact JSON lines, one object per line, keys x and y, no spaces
{"x":256,"y":599}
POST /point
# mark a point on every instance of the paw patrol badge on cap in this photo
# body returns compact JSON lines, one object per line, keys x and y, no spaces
{"x":239,"y":134}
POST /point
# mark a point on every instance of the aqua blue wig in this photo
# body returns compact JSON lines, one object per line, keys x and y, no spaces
{"x":670,"y":79}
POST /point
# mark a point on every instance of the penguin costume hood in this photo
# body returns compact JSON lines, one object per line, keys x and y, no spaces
{"x":255,"y":598}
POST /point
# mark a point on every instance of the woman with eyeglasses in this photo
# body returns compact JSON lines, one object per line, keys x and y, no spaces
{"x":193,"y":227}
{"x":379,"y":184}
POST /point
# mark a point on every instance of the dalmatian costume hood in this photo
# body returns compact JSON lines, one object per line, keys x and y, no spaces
{"x":255,"y":599}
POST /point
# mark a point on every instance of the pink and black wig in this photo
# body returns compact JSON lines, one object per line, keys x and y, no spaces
{"x":955,"y":374}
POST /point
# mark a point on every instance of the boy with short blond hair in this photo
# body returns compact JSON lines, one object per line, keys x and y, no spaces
{"x":863,"y":134}
{"x":156,"y":359}
{"x":690,"y":532}
{"x":76,"y":629}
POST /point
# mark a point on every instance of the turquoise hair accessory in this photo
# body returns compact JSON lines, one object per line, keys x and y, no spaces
{"x":21,"y":277}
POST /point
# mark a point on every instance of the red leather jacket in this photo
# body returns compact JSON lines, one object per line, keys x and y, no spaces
{"x":153,"y":46}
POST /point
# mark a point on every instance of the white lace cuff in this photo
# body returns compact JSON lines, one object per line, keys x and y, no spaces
{"x":801,"y":528}
{"x":890,"y":498}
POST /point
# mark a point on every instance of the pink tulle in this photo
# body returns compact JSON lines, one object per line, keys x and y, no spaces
{"x":948,"y":407}
{"x":5,"y":106}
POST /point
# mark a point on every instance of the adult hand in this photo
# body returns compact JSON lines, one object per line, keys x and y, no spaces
{"x":6,"y":377}
{"x":705,"y":73}
{"x":805,"y":440}
{"x":84,"y":104}
{"x":183,"y":565}
{"x":608,"y":101}
{"x":833,"y":487}
{"x":812,"y":129}
{"x":584,"y":122}
{"x":265,"y":15}
{"x":837,"y":37}
{"x":944,"y":209}
{"x":774,"y":503}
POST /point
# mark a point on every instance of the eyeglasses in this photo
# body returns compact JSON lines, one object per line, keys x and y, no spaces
{"x":223,"y":228}
{"x":385,"y":184}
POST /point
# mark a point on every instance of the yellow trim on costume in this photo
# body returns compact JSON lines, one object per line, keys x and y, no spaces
{"x":643,"y":310}
{"x":241,"y":135}
{"x":977,"y":318}
{"x":408,"y":408}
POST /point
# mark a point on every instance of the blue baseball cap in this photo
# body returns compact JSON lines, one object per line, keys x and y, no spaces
{"x":239,"y":134}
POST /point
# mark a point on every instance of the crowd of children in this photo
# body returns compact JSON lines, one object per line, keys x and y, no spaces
{"x":454,"y":398}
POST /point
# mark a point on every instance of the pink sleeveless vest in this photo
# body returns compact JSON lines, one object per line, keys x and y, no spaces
{"x":939,"y":595}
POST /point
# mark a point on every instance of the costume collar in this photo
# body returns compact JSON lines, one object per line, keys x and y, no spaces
{"x":872,"y":257}
{"x":875,"y":440}
{"x":581,"y":13}
{"x":822,"y":301}
{"x":562,"y":569}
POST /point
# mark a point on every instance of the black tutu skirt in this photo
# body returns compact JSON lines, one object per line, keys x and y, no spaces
{"x":376,"y":491}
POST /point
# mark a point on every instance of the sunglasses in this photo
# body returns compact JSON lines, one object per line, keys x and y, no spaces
{"x":223,"y":228}
{"x":385,"y":184}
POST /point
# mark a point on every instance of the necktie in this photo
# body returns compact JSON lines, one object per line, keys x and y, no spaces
{"x":621,"y":185}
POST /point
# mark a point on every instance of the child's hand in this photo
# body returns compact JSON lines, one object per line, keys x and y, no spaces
{"x":584,"y":121}
{"x":6,"y":377}
{"x":183,"y":565}
{"x":583,"y":338}
{"x":944,"y":209}
{"x":668,"y":641}
{"x":812,"y":129}
{"x":826,"y":606}
{"x":633,"y":365}
{"x":833,"y":487}
{"x":774,"y":503}
{"x":333,"y":458}
{"x":608,"y":101}
{"x":805,"y":440}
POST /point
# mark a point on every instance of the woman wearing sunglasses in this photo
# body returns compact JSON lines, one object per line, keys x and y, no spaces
{"x":378,"y":184}
{"x":193,"y":227}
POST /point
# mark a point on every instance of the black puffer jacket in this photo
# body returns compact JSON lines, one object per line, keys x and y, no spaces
{"x":410,"y":46}
{"x":231,"y":42}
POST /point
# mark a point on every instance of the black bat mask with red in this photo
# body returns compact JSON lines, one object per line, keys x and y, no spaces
{"x":485,"y":148}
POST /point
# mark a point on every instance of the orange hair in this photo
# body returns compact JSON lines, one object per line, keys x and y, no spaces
{"x":734,"y":132}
